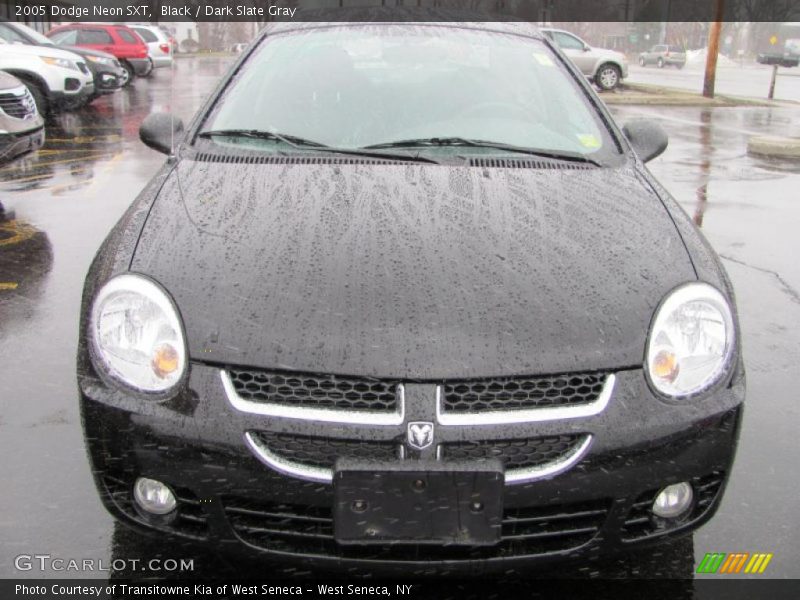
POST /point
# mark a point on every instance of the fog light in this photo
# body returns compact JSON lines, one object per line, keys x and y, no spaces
{"x":673,"y":500}
{"x":153,"y":496}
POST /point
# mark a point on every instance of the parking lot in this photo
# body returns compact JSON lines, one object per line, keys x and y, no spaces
{"x":60,"y":203}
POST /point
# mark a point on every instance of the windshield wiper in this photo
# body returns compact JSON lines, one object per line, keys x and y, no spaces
{"x":292,"y":140}
{"x":303,"y":143}
{"x":459,"y":141}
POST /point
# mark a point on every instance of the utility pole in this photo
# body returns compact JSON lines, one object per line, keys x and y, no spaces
{"x":713,"y":49}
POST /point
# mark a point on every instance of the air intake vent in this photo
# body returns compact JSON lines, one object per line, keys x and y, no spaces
{"x":271,"y":159}
{"x":527,"y":163}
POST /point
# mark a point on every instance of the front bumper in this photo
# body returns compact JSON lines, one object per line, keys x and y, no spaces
{"x":230,"y":499}
{"x":141,"y":66}
{"x":73,"y":99}
{"x":16,"y":144}
{"x":106,"y":79}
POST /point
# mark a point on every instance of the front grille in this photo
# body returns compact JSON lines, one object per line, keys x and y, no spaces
{"x":515,"y":454}
{"x":322,"y":452}
{"x":18,"y":106}
{"x":190,"y":520}
{"x":303,"y":529}
{"x":641,"y":523}
{"x":519,"y":393}
{"x":315,"y":391}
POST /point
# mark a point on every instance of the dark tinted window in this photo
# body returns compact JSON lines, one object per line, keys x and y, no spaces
{"x":94,"y":36}
{"x":675,"y":49}
{"x":147,"y":35}
{"x":128,"y":37}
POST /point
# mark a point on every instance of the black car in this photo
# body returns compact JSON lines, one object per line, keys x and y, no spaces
{"x":404,"y":296}
{"x":107,"y":73}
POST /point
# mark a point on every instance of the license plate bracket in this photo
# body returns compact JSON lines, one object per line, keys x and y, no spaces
{"x":418,"y":502}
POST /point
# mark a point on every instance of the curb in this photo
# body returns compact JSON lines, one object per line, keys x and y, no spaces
{"x":776,"y":147}
{"x":647,"y":94}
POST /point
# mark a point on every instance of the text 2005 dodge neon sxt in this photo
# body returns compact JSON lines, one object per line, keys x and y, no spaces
{"x":405,"y":295}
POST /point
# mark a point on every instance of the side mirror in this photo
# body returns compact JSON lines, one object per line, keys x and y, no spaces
{"x":161,"y":132}
{"x":586,"y":48}
{"x":646,"y":137}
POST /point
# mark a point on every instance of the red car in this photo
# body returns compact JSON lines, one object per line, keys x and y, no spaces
{"x":119,"y":40}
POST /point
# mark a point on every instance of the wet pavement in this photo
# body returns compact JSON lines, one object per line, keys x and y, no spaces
{"x":60,"y":204}
{"x":733,"y":79}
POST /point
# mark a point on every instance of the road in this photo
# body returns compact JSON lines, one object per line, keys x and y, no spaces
{"x":750,"y":80}
{"x":60,"y":204}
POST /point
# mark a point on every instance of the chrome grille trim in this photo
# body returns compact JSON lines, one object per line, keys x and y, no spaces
{"x":286,"y":467}
{"x":323,"y":475}
{"x":528,"y":415}
{"x":551,"y":469}
{"x":325,"y":415}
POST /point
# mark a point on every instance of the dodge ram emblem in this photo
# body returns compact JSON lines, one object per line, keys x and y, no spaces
{"x":420,"y":434}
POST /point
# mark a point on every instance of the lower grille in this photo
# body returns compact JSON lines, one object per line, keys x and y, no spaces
{"x":19,"y":106}
{"x":640,"y":522}
{"x":190,"y":520}
{"x":302,"y":529}
{"x":515,"y":454}
{"x":322,"y":452}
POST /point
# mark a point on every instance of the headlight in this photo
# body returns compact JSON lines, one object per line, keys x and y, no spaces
{"x":101,"y":60}
{"x":691,"y":341}
{"x":64,"y":63}
{"x":136,"y":334}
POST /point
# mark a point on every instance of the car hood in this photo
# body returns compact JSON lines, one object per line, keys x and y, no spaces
{"x":29,"y":50}
{"x":87,"y":52}
{"x":412,"y":271}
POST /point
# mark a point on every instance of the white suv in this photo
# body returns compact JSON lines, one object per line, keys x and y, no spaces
{"x":56,"y":79}
{"x":607,"y":68}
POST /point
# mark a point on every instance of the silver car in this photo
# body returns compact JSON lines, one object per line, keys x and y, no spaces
{"x":607,"y":68}
{"x":663,"y":55}
{"x":159,"y":48}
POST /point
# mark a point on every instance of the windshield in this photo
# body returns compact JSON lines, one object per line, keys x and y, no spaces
{"x":358,"y":86}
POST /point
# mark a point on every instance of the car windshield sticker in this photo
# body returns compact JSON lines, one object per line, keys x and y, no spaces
{"x":543,"y":59}
{"x":589,"y":140}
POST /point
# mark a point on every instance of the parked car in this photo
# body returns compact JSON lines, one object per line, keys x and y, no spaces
{"x":158,"y":45}
{"x":367,"y":283}
{"x":21,"y":125}
{"x":786,"y":59}
{"x":607,"y":68}
{"x":108,"y":75}
{"x":56,"y":79}
{"x":663,"y":55}
{"x":118,"y":40}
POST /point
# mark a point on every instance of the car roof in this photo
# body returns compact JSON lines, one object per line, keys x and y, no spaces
{"x":88,"y":25}
{"x":410,"y":16}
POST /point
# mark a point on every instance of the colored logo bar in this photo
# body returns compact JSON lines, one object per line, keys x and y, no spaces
{"x":735,"y":562}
